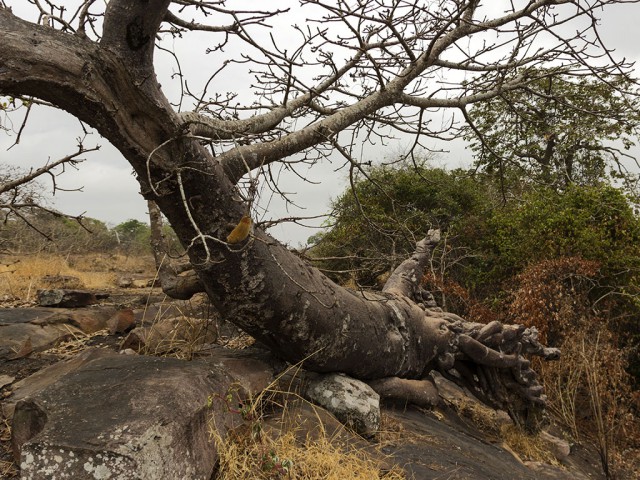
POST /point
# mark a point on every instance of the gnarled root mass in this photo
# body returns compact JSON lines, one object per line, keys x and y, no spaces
{"x":489,"y":360}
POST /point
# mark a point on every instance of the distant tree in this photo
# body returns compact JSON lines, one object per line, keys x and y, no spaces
{"x":133,"y":235}
{"x":23,"y":198}
{"x":38,"y":230}
{"x":558,"y":129}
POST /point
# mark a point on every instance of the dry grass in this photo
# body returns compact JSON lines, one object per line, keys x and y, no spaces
{"x":318,"y":457}
{"x":286,"y":457}
{"x":520,"y":443}
{"x":7,"y":467}
{"x":21,"y":277}
{"x":179,"y":337}
{"x":113,"y":263}
{"x":75,"y":345}
{"x":290,"y":451}
{"x":486,"y":419}
{"x":527,"y":447}
{"x":180,"y":329}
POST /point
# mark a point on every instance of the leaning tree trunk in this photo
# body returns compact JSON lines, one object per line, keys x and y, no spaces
{"x":257,"y":284}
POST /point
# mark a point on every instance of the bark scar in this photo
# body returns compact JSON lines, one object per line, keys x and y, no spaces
{"x":136,"y":39}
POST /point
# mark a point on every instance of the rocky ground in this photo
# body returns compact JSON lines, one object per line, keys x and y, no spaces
{"x":128,"y":387}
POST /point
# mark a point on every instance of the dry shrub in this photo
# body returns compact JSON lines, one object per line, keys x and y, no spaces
{"x":179,"y":328}
{"x":179,"y":337}
{"x":455,"y":298}
{"x":590,"y":394}
{"x":553,"y":296}
{"x":589,"y":390}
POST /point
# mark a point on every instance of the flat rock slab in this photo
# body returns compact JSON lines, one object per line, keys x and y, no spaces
{"x":47,"y":326}
{"x":108,"y":416}
{"x":433,"y":448}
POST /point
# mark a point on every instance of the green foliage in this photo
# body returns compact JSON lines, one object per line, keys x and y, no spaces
{"x":49,"y":232}
{"x":489,"y":245}
{"x":377,"y":224}
{"x":595,"y":223}
{"x":133,"y":236}
{"x":558,"y":129}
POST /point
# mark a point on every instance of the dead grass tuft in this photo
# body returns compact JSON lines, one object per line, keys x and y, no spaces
{"x":179,"y":337}
{"x":8,"y":468}
{"x":527,"y":447}
{"x":285,"y":456}
{"x":486,"y":419}
{"x":257,"y":451}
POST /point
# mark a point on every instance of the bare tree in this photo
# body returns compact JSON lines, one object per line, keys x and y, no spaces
{"x":21,"y":193}
{"x":360,"y":71}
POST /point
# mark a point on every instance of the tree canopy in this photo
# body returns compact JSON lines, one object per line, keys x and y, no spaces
{"x":559,"y":129}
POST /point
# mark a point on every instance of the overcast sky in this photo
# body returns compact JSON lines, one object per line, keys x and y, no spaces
{"x":109,"y":191}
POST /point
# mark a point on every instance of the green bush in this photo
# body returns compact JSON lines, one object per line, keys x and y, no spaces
{"x":595,"y":223}
{"x":376,"y":225}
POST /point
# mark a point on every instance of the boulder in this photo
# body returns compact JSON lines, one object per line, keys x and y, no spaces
{"x":60,"y":297}
{"x":122,"y":321}
{"x":352,"y":401}
{"x":105,"y":415}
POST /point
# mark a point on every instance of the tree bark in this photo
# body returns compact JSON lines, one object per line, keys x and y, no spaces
{"x":258,"y":284}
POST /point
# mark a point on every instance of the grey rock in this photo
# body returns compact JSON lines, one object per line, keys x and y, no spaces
{"x":105,"y":416}
{"x":352,"y":401}
{"x":560,"y":448}
{"x":60,"y":297}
